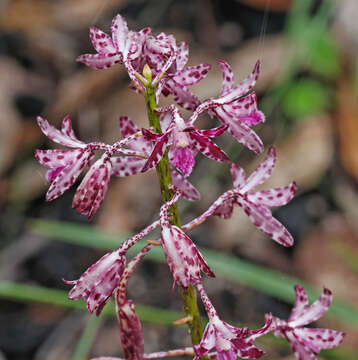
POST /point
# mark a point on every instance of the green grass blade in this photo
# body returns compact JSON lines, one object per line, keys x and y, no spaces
{"x":239,"y":271}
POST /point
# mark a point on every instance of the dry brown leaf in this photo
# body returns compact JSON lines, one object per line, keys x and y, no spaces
{"x":347,"y":124}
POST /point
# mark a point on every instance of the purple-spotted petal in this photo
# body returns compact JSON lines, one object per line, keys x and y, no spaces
{"x":66,"y":129}
{"x":191,"y":75}
{"x":188,"y":191}
{"x":101,"y":41}
{"x":262,"y":172}
{"x":208,"y":147}
{"x":98,"y":282}
{"x":301,"y":303}
{"x":183,"y":96}
{"x":225,"y":209}
{"x":119,"y":32}
{"x":241,"y":132}
{"x":273,"y":197}
{"x":301,"y":351}
{"x":127,"y":126}
{"x":99,"y":61}
{"x":55,"y":158}
{"x":67,"y":175}
{"x":318,"y":339}
{"x":215,"y":132}
{"x":182,"y":55}
{"x":126,"y":165}
{"x":313,"y":312}
{"x":228,"y":76}
{"x":92,"y":190}
{"x":157,"y":153}
{"x":238,"y":175}
{"x":58,"y":136}
{"x":183,"y":160}
{"x":207,"y":341}
{"x":262,"y":218}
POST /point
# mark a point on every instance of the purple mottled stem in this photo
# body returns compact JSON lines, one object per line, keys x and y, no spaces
{"x":134,"y":239}
{"x":209,"y":307}
{"x":200,"y":219}
{"x":122,"y":287}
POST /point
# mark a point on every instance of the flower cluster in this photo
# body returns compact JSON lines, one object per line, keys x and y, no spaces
{"x":156,"y":65}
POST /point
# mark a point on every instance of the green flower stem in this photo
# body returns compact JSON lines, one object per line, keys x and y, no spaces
{"x":165,"y":180}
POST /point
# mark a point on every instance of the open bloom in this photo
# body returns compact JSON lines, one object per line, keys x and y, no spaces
{"x":229,"y":341}
{"x":256,"y":204}
{"x":184,"y":259}
{"x":305,"y":342}
{"x":184,"y":141}
{"x":65,"y":165}
{"x":236,"y":110}
{"x":98,"y":282}
{"x":130,"y":165}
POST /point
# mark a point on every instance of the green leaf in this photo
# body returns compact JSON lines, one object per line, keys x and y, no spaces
{"x":228,"y":267}
{"x":305,"y":97}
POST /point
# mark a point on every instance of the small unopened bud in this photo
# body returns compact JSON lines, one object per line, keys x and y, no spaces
{"x":147,"y":73}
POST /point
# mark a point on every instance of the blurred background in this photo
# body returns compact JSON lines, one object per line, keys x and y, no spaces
{"x":308,"y":90}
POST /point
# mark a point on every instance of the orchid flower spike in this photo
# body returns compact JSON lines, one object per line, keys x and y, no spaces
{"x":305,"y":342}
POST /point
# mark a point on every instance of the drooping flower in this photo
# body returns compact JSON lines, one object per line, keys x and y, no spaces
{"x":256,"y":204}
{"x":236,"y":110}
{"x":184,"y":142}
{"x":230,"y":342}
{"x":65,"y":165}
{"x":92,"y":190}
{"x":130,"y":165}
{"x":98,"y":282}
{"x":305,"y":342}
{"x":184,"y":259}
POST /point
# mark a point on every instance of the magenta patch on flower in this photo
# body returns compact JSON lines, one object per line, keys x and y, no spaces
{"x":305,"y":342}
{"x":97,"y":284}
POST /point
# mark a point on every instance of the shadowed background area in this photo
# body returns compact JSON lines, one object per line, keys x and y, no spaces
{"x":308,"y":90}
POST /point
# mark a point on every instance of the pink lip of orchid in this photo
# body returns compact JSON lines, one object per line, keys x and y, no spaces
{"x":229,"y":341}
{"x":185,"y":141}
{"x":184,"y":259}
{"x":305,"y":342}
{"x":256,"y":204}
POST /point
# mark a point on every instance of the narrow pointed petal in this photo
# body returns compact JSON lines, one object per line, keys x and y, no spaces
{"x":127,"y":126}
{"x":315,"y":311}
{"x":215,"y":132}
{"x":241,"y":132}
{"x":261,"y":217}
{"x":189,"y":192}
{"x":208,"y":147}
{"x":262,"y":172}
{"x":238,"y":175}
{"x":318,"y":339}
{"x":301,"y":303}
{"x":182,"y":55}
{"x":99,"y":61}
{"x":191,"y":75}
{"x":151,"y":136}
{"x":242,"y":88}
{"x":228,"y":76}
{"x":68,"y":175}
{"x":56,"y":158}
{"x":157,"y":153}
{"x":273,"y":197}
{"x":57,"y":136}
{"x":101,"y":41}
{"x":127,"y":165}
{"x":207,"y":341}
{"x":301,"y":351}
{"x":67,"y":129}
{"x":183,"y":96}
{"x":119,"y":33}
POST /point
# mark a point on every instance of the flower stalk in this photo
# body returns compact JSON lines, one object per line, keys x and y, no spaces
{"x":165,"y":181}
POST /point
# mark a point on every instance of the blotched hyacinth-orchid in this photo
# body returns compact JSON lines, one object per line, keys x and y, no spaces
{"x":229,"y":341}
{"x":305,"y":342}
{"x":156,"y":66}
{"x":256,"y":204}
